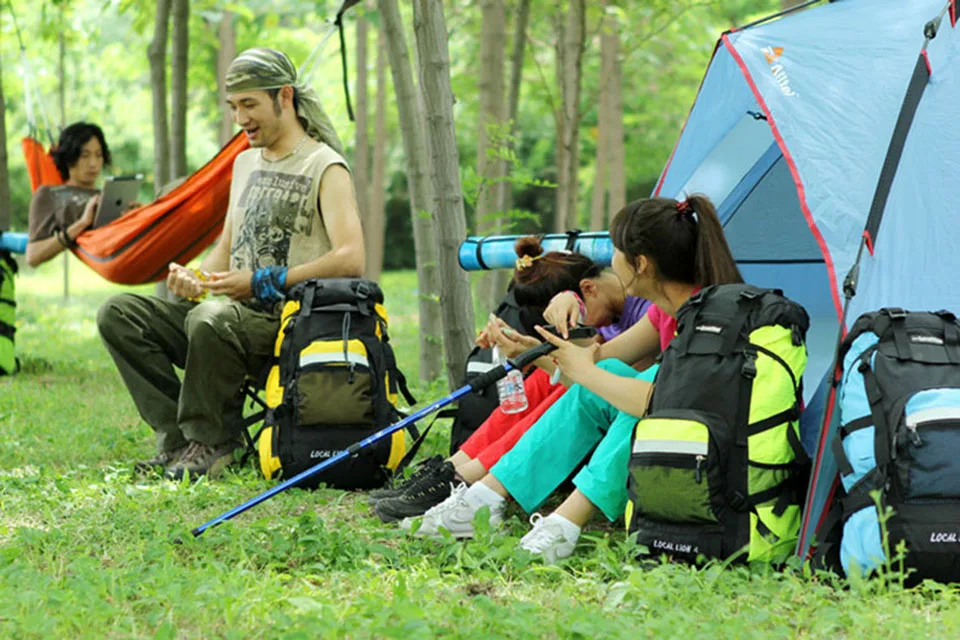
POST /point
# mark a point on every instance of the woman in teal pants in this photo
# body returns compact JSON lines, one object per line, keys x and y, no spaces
{"x":665,"y":251}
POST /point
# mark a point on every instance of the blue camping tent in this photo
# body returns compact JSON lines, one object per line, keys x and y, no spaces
{"x":789,"y":134}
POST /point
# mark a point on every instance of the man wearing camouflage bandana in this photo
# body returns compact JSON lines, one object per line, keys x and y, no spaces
{"x":292,"y":216}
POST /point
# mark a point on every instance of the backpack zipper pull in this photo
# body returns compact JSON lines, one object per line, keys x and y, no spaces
{"x":697,"y":475}
{"x":914,"y":435}
{"x":345,"y":330}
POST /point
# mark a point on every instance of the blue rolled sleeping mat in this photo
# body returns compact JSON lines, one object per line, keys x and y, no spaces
{"x":13,"y":242}
{"x":497,"y":252}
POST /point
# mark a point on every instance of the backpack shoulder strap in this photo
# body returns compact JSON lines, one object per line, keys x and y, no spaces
{"x":419,"y":440}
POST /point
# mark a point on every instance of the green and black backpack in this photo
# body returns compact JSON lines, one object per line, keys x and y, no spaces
{"x":8,"y":313}
{"x":716,"y":464}
{"x":334,"y":382}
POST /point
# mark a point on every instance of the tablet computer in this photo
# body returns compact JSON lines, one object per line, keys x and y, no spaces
{"x":118,"y":194}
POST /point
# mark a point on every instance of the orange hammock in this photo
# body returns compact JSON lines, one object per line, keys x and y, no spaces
{"x":40,"y":164}
{"x":137,"y":247}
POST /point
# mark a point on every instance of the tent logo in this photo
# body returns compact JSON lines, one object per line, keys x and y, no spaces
{"x":772,"y":55}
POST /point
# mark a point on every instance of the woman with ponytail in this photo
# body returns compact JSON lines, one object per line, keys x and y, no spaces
{"x":539,"y":278}
{"x":665,"y":251}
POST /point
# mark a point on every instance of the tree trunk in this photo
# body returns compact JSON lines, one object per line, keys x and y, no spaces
{"x":226,"y":52}
{"x":157,"y":53}
{"x":609,"y":184}
{"x":62,"y":90}
{"x":456,"y":306}
{"x":418,"y":185}
{"x":178,"y":88}
{"x":376,"y":227}
{"x":505,"y":190}
{"x":361,"y":155}
{"x":62,"y":72}
{"x":490,"y":88}
{"x":505,"y":193}
{"x":616,"y":153}
{"x":601,"y":172}
{"x":4,"y":169}
{"x":569,"y":59}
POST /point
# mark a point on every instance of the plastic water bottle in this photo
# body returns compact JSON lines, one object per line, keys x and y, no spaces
{"x":513,"y":397}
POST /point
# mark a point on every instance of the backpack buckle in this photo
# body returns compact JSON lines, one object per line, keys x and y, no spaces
{"x":696,"y":298}
{"x":896,"y":313}
{"x":945,"y":315}
{"x":750,"y":294}
{"x":737,"y":500}
{"x":795,"y":336}
{"x":749,"y":368}
{"x":363,"y":290}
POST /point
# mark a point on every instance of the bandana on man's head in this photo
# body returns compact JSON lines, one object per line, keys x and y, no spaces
{"x":261,"y":69}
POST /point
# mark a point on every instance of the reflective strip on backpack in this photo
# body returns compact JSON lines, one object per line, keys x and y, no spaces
{"x":479,"y":367}
{"x":338,"y":358}
{"x":933,"y":415}
{"x":670,"y":446}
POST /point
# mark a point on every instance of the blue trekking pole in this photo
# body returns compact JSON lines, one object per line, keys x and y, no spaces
{"x":480,"y":382}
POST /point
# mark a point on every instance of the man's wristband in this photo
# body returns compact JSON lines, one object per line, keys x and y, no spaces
{"x":268,"y":283}
{"x":64,"y":238}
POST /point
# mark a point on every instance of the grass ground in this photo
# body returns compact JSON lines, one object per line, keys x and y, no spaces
{"x":86,"y":549}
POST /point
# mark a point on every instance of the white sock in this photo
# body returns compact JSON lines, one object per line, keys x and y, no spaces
{"x":480,"y":495}
{"x":570,"y":531}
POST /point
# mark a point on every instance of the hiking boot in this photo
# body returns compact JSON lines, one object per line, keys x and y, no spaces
{"x":430,"y":489}
{"x":548,"y":539}
{"x":199,"y":459}
{"x":426,"y":467}
{"x":455,"y":514}
{"x":162,"y":459}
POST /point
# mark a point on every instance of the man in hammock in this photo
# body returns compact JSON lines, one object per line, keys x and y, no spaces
{"x":292,"y":216}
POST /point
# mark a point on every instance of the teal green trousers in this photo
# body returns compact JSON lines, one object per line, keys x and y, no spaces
{"x":578,"y":423}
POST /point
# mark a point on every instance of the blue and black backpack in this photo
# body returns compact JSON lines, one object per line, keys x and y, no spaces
{"x":899,"y":441}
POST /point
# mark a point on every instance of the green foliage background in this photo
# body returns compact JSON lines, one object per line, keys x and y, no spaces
{"x":665,"y":47}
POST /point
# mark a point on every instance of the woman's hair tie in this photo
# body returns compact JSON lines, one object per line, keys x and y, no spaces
{"x":526,"y":261}
{"x":684,"y":208}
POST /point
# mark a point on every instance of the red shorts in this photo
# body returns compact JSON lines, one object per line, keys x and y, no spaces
{"x":500,"y":431}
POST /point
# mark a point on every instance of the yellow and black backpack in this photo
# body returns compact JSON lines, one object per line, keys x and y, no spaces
{"x":716,"y":464}
{"x":8,"y":313}
{"x":334,"y":382}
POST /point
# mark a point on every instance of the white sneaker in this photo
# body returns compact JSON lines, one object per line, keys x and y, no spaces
{"x":455,"y":515}
{"x":547,"y":539}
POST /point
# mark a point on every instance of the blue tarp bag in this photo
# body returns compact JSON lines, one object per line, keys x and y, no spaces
{"x":899,"y":401}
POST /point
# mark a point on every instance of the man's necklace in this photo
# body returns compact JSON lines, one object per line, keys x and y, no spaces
{"x":295,"y":150}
